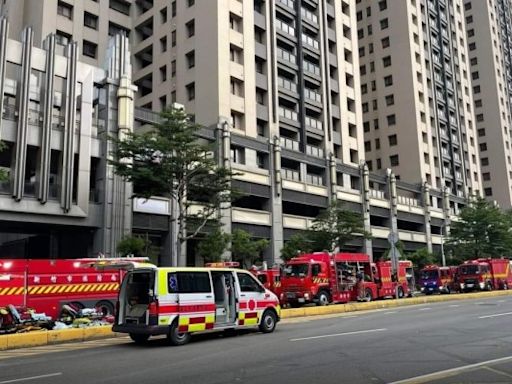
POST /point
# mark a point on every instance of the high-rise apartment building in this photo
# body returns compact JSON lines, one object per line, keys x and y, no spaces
{"x":90,"y":23}
{"x":489,"y":34}
{"x":416,"y":88}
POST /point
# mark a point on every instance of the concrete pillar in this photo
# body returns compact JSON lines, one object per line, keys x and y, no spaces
{"x":365,"y":194}
{"x":277,"y":201}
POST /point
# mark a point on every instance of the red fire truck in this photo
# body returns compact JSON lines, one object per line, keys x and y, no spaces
{"x":323,"y":278}
{"x":47,"y":285}
{"x":436,"y":279}
{"x":269,"y":277}
{"x":485,"y":274}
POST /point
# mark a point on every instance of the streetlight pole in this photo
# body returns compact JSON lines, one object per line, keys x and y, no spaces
{"x":443,"y":258}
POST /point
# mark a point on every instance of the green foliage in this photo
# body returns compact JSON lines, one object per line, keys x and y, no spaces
{"x":334,"y":227}
{"x":213,"y":246}
{"x":387,"y":253}
{"x":422,"y":257}
{"x":245,"y":249}
{"x":169,"y":160}
{"x":481,"y":231}
{"x":298,"y":243}
{"x":132,"y":246}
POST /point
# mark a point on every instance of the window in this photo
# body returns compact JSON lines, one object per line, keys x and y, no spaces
{"x":173,"y":38}
{"x":191,"y":59}
{"x":120,"y":6}
{"x":248,"y":283}
{"x":190,"y":3}
{"x":189,"y":282}
{"x":163,"y":44}
{"x":114,"y":29}
{"x":485,"y":161}
{"x":391,"y":119}
{"x":367,"y":146}
{"x":65,"y":9}
{"x":163,"y":73}
{"x":383,"y":5}
{"x":366,"y":126}
{"x":237,"y":155}
{"x":488,"y":191}
{"x":486,"y":176}
{"x":386,"y":61}
{"x":483,"y":147}
{"x":384,"y":23}
{"x":173,"y":9}
{"x":191,"y":91}
{"x":90,"y":20}
{"x":315,"y":270}
{"x":191,"y":28}
{"x":379,"y":164}
{"x":388,"y":81}
{"x":393,"y":140}
{"x":377,"y":143}
{"x":62,"y":38}
{"x":394,"y":160}
{"x":89,"y":49}
{"x":163,"y":15}
{"x":390,"y":100}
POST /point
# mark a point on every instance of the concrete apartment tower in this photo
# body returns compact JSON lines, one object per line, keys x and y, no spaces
{"x":416,"y":89}
{"x":489,"y":35}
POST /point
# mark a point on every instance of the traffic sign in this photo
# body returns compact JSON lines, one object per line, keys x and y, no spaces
{"x":393,"y":238}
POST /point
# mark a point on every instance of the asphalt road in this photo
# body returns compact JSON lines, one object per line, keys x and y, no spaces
{"x":451,"y":342}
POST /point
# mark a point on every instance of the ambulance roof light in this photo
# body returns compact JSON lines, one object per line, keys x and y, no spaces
{"x":223,"y":264}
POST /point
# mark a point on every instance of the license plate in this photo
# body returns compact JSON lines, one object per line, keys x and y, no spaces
{"x":290,"y":295}
{"x":470,"y":285}
{"x":301,"y":300}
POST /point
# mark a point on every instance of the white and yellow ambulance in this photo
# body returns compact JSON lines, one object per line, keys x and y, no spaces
{"x":180,"y":301}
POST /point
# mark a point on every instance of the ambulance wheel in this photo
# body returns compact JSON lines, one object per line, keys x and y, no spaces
{"x":368,"y":295}
{"x":400,"y":293}
{"x":268,"y":321}
{"x":138,"y":338}
{"x":105,"y":307}
{"x":175,"y":337}
{"x":323,"y":298}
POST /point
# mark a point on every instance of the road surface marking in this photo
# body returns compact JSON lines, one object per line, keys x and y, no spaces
{"x":389,"y":313}
{"x":502,"y":301}
{"x":454,"y":305}
{"x":339,"y":334}
{"x":424,"y":309}
{"x":495,"y":315}
{"x":450,"y":372}
{"x":31,"y":378}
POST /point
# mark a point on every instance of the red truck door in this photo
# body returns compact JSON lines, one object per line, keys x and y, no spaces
{"x":12,"y":282}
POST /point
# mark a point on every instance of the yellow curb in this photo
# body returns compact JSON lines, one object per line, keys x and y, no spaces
{"x":60,"y":336}
{"x":29,"y":339}
{"x":389,"y":303}
{"x":3,"y":343}
{"x":98,"y":333}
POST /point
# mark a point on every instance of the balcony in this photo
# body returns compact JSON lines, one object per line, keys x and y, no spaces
{"x":314,"y":123}
{"x":314,"y":179}
{"x":310,"y":16}
{"x":291,"y":144}
{"x":288,"y":114}
{"x":286,"y":84}
{"x":290,"y":174}
{"x":312,"y":95}
{"x":287,"y":3}
{"x":314,"y":151}
{"x":286,"y":28}
{"x":308,"y":40}
{"x":285,"y":55}
{"x":311,"y":68}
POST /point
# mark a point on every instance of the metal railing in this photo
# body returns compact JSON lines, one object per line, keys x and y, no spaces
{"x":313,"y":123}
{"x":288,"y":114}
{"x":288,"y":143}
{"x":290,"y":174}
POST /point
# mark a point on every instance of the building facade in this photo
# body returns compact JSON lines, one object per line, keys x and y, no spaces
{"x":490,"y":55}
{"x":61,"y":198}
{"x":417,"y":100}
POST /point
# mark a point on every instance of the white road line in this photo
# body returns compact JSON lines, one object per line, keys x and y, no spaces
{"x":338,"y":334}
{"x":454,"y":306}
{"x":450,"y":372}
{"x":495,"y":315}
{"x":424,"y":309}
{"x":31,"y":378}
{"x":502,"y":301}
{"x":389,"y":313}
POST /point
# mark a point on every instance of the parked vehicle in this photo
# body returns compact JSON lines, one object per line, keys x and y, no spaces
{"x":269,"y":277}
{"x":323,"y":278}
{"x":485,"y":274}
{"x":436,"y":279}
{"x":48,"y":285}
{"x":178,"y":302}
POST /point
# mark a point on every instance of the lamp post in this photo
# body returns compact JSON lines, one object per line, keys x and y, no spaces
{"x":443,"y":258}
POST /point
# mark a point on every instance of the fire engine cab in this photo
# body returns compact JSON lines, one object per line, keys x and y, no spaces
{"x":180,"y":301}
{"x":485,"y":274}
{"x":436,"y":279}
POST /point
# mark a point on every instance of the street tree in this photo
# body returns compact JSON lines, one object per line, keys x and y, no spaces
{"x":334,"y":227}
{"x":482,"y":230}
{"x":131,"y":246}
{"x":298,"y":243}
{"x":422,"y":257}
{"x":213,"y":245}
{"x":245,"y":249}
{"x":170,"y":161}
{"x":3,"y":173}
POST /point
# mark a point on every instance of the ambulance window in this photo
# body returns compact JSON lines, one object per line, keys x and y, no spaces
{"x":247,"y":283}
{"x":315,"y":269}
{"x":192,"y":282}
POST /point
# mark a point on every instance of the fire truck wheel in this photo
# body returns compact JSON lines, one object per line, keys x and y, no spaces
{"x":401,"y":293}
{"x":489,"y":286}
{"x":139,"y":339}
{"x":268,"y":321}
{"x":176,"y":338}
{"x":105,"y":307}
{"x":323,"y":298}
{"x":368,"y":295}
